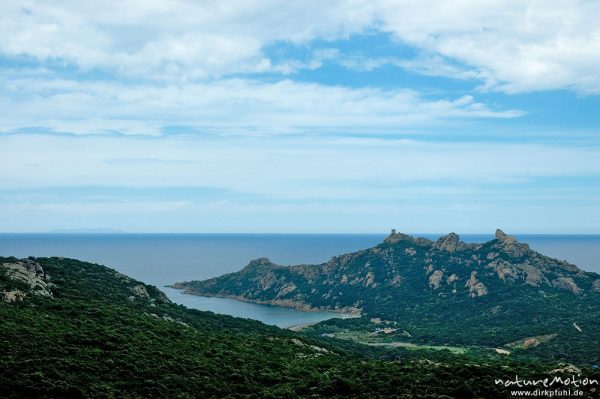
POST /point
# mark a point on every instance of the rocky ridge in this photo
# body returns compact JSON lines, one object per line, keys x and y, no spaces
{"x":402,"y":267}
{"x":448,"y":265}
{"x":437,"y":292}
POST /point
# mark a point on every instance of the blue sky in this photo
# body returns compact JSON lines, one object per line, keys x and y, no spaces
{"x":337,"y":116}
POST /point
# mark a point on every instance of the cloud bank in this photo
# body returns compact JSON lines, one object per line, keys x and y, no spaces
{"x":510,"y":46}
{"x":339,"y":115}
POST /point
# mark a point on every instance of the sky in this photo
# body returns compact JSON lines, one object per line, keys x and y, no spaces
{"x":300,"y":116}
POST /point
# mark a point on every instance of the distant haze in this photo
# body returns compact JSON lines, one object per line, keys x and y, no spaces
{"x":87,"y":231}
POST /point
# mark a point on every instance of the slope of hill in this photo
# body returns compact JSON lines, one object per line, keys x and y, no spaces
{"x":72,"y":329}
{"x":448,"y":292}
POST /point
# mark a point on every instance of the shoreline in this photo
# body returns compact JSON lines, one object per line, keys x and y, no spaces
{"x":346,"y":313}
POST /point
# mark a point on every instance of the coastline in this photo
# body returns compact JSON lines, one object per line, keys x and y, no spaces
{"x":346,"y":312}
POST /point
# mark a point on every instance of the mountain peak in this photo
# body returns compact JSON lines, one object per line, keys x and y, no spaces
{"x":396,"y":237}
{"x":450,"y":242}
{"x":258,"y":265}
{"x":264,"y":261}
{"x":505,"y":238}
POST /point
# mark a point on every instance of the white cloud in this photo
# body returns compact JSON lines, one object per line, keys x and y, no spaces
{"x":138,"y":67}
{"x":512,"y":46}
{"x":170,"y":39}
{"x":222,"y":106}
{"x":515,"y":46}
{"x":428,"y":65}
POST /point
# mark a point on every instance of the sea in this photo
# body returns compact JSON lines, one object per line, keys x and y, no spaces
{"x":163,"y":259}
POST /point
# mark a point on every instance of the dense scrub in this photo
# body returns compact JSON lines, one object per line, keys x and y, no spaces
{"x":95,"y":339}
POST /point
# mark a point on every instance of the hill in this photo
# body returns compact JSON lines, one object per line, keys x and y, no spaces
{"x":71,"y":329}
{"x":499,"y":294}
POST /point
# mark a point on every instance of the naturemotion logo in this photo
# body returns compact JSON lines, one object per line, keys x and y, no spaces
{"x":561,"y":386}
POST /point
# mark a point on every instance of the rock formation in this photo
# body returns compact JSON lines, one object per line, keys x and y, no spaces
{"x":403,"y":268}
{"x":27,"y":277}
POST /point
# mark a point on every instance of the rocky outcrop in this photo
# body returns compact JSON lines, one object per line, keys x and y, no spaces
{"x":504,"y":270}
{"x":450,"y":243}
{"x":397,"y":237}
{"x":435,"y":279}
{"x":286,"y":289}
{"x":396,"y":280}
{"x":12,"y":296}
{"x":476,"y":287}
{"x":530,"y":342}
{"x":452,"y":278}
{"x":596,"y":286}
{"x":28,"y":275}
{"x":315,"y":348}
{"x":567,"y":283}
{"x":140,"y":291}
{"x":369,"y":279}
{"x":410,"y":251}
{"x":511,"y":246}
{"x":533,"y":275}
{"x":505,"y":238}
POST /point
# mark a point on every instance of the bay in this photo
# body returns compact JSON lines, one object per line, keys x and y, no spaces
{"x":163,"y":259}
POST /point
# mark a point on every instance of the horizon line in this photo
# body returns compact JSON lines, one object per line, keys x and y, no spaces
{"x":279,"y":233}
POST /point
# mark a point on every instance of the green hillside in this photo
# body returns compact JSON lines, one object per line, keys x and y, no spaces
{"x":447,"y":292}
{"x":75,"y":329}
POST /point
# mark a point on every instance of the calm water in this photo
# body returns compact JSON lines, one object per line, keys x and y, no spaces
{"x":162,"y":259}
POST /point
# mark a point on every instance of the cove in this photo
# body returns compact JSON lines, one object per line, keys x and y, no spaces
{"x":273,"y":315}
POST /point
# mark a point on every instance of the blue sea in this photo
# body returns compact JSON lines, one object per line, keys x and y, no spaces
{"x":163,"y":259}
